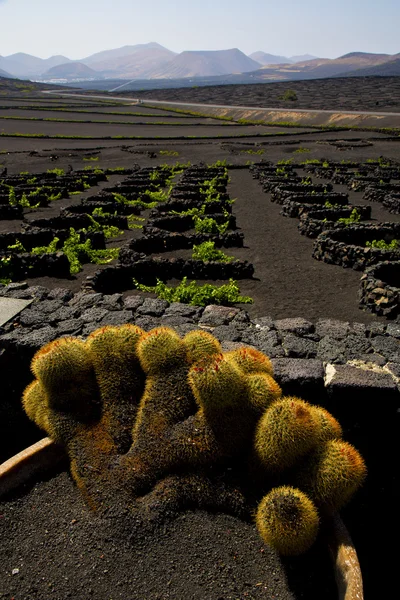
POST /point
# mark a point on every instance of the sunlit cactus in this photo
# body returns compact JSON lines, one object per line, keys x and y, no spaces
{"x":160,"y":349}
{"x":201,"y":345}
{"x":152,"y":420}
{"x":262,"y":391}
{"x":329,"y":427}
{"x":65,"y":371}
{"x":119,"y":376}
{"x":285,"y":433}
{"x":287,"y":520}
{"x":250,"y":360}
{"x":332,"y":474}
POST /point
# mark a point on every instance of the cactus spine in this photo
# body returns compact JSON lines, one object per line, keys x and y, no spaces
{"x":262,"y":391}
{"x":287,"y":520}
{"x":285,"y":433}
{"x":201,"y":345}
{"x":65,"y":370}
{"x":332,"y":474}
{"x":120,"y":378}
{"x":250,"y":360}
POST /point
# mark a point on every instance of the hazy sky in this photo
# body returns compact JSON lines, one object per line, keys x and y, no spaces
{"x":78,"y":28}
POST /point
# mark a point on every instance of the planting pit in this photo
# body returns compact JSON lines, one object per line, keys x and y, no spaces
{"x":313,"y":222}
{"x":347,"y":246}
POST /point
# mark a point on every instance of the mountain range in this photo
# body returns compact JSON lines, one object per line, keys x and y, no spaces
{"x":141,"y":61}
{"x":155,"y":62}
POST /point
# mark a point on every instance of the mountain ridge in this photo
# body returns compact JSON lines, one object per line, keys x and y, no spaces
{"x":192,"y":63}
{"x":152,"y":61}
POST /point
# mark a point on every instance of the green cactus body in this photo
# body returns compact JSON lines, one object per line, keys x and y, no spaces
{"x":167,"y":397}
{"x":217,"y":384}
{"x":160,"y":350}
{"x":35,"y":404}
{"x":220,"y":390}
{"x":329,"y":427}
{"x":250,"y":360}
{"x":154,"y":419}
{"x":332,"y":474}
{"x":65,"y":370}
{"x":262,"y":391}
{"x":287,"y":520}
{"x":120,"y":379}
{"x":285,"y":433}
{"x":201,"y":345}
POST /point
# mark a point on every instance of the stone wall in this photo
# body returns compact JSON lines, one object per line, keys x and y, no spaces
{"x":380,"y":289}
{"x":347,"y":246}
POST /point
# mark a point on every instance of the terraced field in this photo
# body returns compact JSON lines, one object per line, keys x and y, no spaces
{"x":74,"y":136}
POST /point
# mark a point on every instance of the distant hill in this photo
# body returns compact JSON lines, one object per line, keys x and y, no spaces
{"x":364,"y":56}
{"x":319,"y":68}
{"x":116,"y":53}
{"x":302,"y":58}
{"x":26,"y":65}
{"x":134,"y":64}
{"x":269,"y":59}
{"x":70,"y":70}
{"x":5,"y":74}
{"x":391,"y":68}
{"x":203,"y":63}
{"x":326,"y":67}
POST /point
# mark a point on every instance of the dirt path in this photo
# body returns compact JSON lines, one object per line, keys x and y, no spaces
{"x":288,"y":282}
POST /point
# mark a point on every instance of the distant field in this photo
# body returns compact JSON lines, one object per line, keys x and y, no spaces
{"x":352,"y":93}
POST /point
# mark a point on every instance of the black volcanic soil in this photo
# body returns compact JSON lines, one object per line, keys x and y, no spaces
{"x":287,"y":281}
{"x":53,"y":547}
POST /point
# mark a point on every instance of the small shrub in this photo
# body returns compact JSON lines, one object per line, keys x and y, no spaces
{"x":58,"y":172}
{"x":197,"y":295}
{"x":169,"y":153}
{"x":250,"y":151}
{"x":209,"y":225}
{"x":354,"y":217}
{"x":5,"y":270}
{"x":311,"y":161}
{"x":382,"y":245}
{"x":301,"y":150}
{"x":289,"y":96}
{"x":207,"y":252}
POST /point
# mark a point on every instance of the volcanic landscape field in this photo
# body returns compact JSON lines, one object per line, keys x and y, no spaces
{"x":133,"y":160}
{"x":336,"y":93}
{"x":120,"y":198}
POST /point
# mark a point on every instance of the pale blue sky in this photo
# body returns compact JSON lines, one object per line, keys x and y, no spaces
{"x":78,"y":28}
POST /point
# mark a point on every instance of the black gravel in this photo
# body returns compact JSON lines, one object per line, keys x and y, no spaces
{"x":52,"y":547}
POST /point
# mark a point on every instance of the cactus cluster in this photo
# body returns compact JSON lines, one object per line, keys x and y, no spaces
{"x":152,"y":419}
